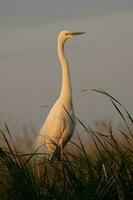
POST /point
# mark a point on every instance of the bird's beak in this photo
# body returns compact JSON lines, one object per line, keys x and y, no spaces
{"x":77,"y":33}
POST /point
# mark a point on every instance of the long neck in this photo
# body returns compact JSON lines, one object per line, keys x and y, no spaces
{"x":66,"y":89}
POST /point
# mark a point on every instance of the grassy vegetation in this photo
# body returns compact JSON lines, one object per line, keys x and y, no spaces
{"x":106,"y":174}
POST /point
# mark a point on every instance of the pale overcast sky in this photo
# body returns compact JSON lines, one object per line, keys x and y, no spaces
{"x":30,"y":69}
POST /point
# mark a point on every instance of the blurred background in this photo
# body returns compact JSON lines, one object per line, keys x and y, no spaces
{"x":30,"y":73}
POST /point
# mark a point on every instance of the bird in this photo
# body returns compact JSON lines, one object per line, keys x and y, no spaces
{"x":59,"y":125}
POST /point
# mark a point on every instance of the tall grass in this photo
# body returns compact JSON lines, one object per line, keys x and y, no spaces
{"x":105,"y":175}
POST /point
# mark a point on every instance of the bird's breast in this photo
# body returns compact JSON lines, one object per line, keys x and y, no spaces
{"x":62,"y":111}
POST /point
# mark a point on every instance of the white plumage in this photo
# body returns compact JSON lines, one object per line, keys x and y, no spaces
{"x":59,"y":125}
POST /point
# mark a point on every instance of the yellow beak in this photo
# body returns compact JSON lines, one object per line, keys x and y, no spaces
{"x":77,"y":33}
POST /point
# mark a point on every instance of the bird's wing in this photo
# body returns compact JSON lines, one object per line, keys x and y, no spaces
{"x":53,"y":129}
{"x":65,"y":130}
{"x":51,"y":125}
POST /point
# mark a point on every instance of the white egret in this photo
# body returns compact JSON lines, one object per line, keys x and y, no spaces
{"x":60,"y":122}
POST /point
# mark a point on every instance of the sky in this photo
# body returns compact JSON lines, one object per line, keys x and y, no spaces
{"x":30,"y":73}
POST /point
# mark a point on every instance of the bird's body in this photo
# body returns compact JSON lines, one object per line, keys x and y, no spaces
{"x":60,"y":122}
{"x":56,"y":131}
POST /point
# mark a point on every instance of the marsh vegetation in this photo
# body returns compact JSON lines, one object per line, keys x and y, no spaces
{"x":100,"y":169}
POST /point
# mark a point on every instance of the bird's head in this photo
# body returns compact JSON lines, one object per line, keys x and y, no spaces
{"x":65,"y":35}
